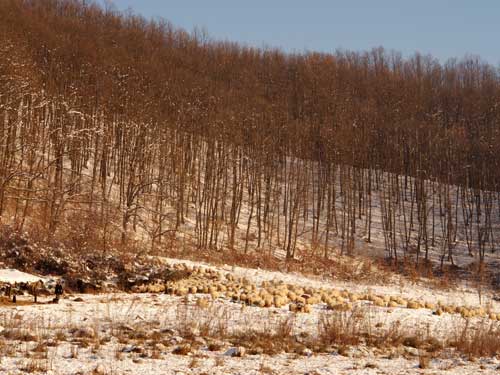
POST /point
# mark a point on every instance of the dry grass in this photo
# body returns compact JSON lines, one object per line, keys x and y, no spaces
{"x":214,"y":346}
{"x":35,"y":366}
{"x":343,"y":327}
{"x":211,"y":321}
{"x":16,"y":328}
{"x":73,"y":353}
{"x":264,"y":369}
{"x":424,"y":360}
{"x":7,"y":302}
{"x":42,"y":349}
{"x":479,"y":340}
{"x":183,"y":349}
{"x":361,"y":268}
{"x":352,"y":328}
{"x":194,"y":363}
{"x":307,"y":263}
{"x":275,"y":338}
{"x":219,"y":361}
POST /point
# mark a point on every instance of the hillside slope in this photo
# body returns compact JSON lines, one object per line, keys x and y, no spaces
{"x":119,"y":132}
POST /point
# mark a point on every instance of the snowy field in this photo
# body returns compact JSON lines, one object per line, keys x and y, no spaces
{"x":120,"y":333}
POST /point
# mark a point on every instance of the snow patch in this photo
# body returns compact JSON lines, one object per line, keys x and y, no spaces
{"x":12,"y":276}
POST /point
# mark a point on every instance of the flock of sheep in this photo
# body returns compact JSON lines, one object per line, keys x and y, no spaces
{"x":184,"y":280}
{"x":181,"y":280}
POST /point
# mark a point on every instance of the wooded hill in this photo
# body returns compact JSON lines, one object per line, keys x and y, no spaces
{"x":113,"y":125}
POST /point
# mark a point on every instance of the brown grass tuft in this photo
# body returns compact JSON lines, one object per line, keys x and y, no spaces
{"x":342,"y":327}
{"x":479,"y":340}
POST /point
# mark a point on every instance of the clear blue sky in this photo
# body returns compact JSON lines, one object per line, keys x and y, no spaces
{"x":443,"y":28}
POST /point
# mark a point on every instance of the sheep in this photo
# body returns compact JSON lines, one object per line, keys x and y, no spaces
{"x":354,"y":297}
{"x":291,"y":296}
{"x":148,"y":288}
{"x":395,"y":300}
{"x":221,"y":288}
{"x":181,"y":292}
{"x":466,"y":313}
{"x":398,"y":300}
{"x":393,"y":304}
{"x":340,"y":299}
{"x":480,"y":312}
{"x":279,"y":301}
{"x":254,"y":300}
{"x":430,"y":305}
{"x":450,"y":309}
{"x":313,"y":300}
{"x":335,"y":293}
{"x":412,"y":305}
{"x":281,"y":292}
{"x":265,"y":284}
{"x":340,"y":307}
{"x":268,"y":301}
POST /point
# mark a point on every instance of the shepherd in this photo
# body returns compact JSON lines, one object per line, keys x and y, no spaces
{"x":59,"y":290}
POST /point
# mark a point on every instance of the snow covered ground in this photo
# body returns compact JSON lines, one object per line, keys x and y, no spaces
{"x":61,"y":362}
{"x":14,"y":276}
{"x":120,"y":333}
{"x":103,"y":314}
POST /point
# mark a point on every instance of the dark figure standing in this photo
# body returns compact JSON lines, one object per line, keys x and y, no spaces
{"x":58,"y":291}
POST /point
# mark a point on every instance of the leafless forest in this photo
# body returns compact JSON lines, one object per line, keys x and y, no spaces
{"x":115,"y":130}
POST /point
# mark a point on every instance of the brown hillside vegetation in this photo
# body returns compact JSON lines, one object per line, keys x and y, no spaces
{"x":115,"y":129}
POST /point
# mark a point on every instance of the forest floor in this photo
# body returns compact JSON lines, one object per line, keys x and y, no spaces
{"x":390,"y":327}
